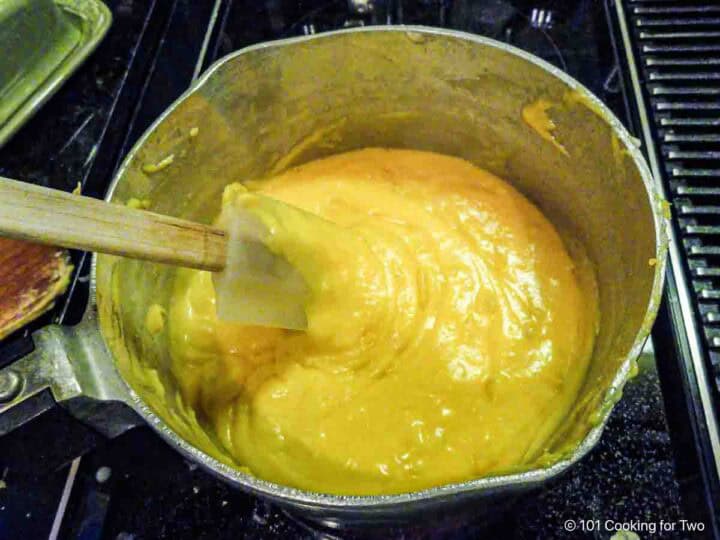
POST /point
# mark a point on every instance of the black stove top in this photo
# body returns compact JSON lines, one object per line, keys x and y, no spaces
{"x":134,"y":486}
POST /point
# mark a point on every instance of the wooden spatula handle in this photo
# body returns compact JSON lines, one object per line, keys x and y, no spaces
{"x":49,"y":216}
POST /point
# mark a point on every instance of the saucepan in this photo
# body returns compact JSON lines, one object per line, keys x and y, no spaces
{"x":270,"y":106}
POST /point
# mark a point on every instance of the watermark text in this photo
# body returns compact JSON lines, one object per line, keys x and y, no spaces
{"x":636,"y":526}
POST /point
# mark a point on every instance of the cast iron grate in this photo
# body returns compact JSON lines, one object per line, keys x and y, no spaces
{"x":678,"y":48}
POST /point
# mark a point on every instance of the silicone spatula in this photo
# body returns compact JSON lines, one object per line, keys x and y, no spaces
{"x":253,"y":285}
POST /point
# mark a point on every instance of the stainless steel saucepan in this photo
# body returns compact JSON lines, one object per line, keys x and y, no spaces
{"x":277,"y":104}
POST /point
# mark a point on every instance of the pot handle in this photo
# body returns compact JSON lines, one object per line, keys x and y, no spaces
{"x":62,"y":362}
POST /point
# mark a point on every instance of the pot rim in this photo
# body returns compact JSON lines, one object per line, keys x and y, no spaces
{"x":296,"y":496}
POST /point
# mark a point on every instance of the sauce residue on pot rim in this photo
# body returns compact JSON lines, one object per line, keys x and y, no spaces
{"x":448,"y":331}
{"x":535,"y":115}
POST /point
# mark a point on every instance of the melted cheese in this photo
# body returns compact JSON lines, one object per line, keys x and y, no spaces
{"x":536,"y":116}
{"x":447,"y":335}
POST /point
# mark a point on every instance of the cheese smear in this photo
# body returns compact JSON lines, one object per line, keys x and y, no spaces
{"x":449,"y":330}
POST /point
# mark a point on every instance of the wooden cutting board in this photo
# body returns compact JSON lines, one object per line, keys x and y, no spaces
{"x":31,"y":278}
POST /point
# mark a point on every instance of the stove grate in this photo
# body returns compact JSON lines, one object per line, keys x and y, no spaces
{"x":679,"y":60}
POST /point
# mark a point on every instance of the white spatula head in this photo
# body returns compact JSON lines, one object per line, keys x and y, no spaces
{"x":257,"y":286}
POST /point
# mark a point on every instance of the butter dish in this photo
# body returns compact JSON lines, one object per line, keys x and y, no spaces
{"x":42,"y":43}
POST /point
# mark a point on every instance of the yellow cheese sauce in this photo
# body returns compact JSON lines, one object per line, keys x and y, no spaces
{"x":536,"y":116}
{"x":448,"y":333}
